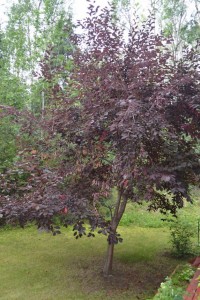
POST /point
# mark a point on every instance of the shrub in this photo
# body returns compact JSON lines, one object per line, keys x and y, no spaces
{"x":182,"y":231}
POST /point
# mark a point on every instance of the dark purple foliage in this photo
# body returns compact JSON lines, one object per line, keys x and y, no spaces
{"x":134,"y":126}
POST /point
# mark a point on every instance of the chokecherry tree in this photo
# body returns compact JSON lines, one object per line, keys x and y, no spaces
{"x":128,"y":121}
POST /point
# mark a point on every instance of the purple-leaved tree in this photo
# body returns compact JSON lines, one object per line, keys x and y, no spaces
{"x":129,"y":121}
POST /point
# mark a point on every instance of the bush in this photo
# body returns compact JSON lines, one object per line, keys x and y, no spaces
{"x":182,"y":231}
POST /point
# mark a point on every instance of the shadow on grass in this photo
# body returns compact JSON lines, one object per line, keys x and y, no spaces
{"x":40,"y":266}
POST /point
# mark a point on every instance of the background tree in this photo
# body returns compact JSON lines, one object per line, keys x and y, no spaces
{"x":32,"y":28}
{"x":180,"y":20}
{"x":13,"y":89}
{"x":176,"y":19}
{"x":14,"y":94}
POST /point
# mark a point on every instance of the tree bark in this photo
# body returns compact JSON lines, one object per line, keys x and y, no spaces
{"x":107,"y":270}
{"x":119,"y":210}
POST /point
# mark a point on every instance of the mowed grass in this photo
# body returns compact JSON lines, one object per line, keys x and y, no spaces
{"x":138,"y":215}
{"x":40,"y":266}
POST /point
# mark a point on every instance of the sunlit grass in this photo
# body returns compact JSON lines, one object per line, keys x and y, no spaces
{"x":40,"y":266}
{"x":43,"y":267}
{"x":138,"y":215}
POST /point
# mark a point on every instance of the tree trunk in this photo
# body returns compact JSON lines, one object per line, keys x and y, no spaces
{"x":119,"y":210}
{"x":107,"y":270}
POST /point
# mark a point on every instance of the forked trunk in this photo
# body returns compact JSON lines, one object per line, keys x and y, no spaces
{"x":119,"y":210}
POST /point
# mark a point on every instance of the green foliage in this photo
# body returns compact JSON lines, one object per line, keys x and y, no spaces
{"x":33,"y":28}
{"x":13,"y":89}
{"x":183,"y":275}
{"x":184,"y":228}
{"x":179,"y":19}
{"x":7,"y":142}
{"x":191,"y":31}
{"x":173,"y":288}
{"x":168,"y":292}
{"x":182,"y":231}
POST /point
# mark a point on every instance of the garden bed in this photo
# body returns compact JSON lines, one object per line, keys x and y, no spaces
{"x":193,"y":290}
{"x":174,"y":287}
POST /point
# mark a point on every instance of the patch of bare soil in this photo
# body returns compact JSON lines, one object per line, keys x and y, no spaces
{"x":140,"y":279}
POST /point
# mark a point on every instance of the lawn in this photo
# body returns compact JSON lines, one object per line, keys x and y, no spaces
{"x":40,"y":266}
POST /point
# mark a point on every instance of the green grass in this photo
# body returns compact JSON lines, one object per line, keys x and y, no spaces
{"x":40,"y":266}
{"x":138,"y":215}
